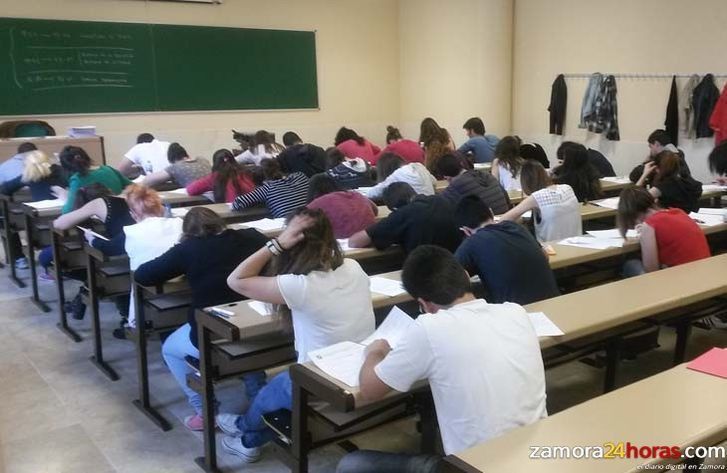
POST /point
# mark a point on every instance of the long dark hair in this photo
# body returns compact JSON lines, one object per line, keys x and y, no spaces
{"x":387,"y":164}
{"x":201,"y":222}
{"x":633,"y":203}
{"x":533,"y":177}
{"x":226,"y":170}
{"x":578,"y":172}
{"x":718,"y":159}
{"x":90,"y":192}
{"x":507,"y":152}
{"x":75,"y":160}
{"x":345,"y":134}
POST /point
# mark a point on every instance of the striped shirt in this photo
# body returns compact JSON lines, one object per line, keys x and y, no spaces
{"x":281,"y":196}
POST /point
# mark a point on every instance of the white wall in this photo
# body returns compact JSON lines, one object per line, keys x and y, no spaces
{"x":358,"y":67}
{"x":455,"y":63}
{"x":657,"y":36}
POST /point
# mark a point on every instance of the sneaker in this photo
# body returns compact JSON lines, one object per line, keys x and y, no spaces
{"x":234,"y":446}
{"x":194,"y":423}
{"x":75,"y":308}
{"x":228,"y":424}
{"x":21,"y":263}
{"x":119,"y":333}
{"x":46,"y":277}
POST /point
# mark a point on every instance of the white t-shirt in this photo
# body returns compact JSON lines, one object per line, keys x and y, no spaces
{"x":414,"y":174}
{"x":484,"y":368}
{"x":560,"y":214}
{"x":328,"y":306}
{"x":507,"y":181}
{"x":152,"y":157}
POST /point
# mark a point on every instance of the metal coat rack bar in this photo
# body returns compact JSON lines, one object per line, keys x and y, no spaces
{"x":640,"y":75}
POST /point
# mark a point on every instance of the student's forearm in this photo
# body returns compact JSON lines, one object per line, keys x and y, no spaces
{"x":359,"y":240}
{"x":372,"y":388}
{"x":252,"y":266}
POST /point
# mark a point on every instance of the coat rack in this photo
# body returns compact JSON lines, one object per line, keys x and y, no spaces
{"x":640,"y":75}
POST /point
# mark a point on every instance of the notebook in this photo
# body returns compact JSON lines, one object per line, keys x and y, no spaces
{"x":713,"y":362}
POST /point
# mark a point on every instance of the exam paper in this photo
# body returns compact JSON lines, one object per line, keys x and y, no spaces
{"x":593,"y":243}
{"x":266,"y":224}
{"x":544,"y":327}
{"x":392,"y":329}
{"x":713,"y":188}
{"x":617,"y":179}
{"x":363,"y":190}
{"x":180,"y":212}
{"x":707,"y":219}
{"x":611,"y":203}
{"x":613,"y":233}
{"x":341,"y":361}
{"x":181,"y":190}
{"x":46,"y":204}
{"x":343,"y":243}
{"x":706,"y":211}
{"x":262,"y":308}
{"x":387,"y":287}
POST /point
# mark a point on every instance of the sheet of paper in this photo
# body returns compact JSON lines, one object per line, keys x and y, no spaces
{"x":181,"y":190}
{"x":593,"y":243}
{"x":343,"y":243}
{"x":97,"y":235}
{"x":46,"y":204}
{"x":363,"y":190}
{"x":611,"y":203}
{"x":341,"y":361}
{"x":180,"y":212}
{"x":266,"y":224}
{"x":139,"y":179}
{"x":713,"y":188}
{"x":713,"y":362}
{"x":706,"y":211}
{"x":386,"y":286}
{"x":613,"y":233}
{"x":262,"y":308}
{"x":707,"y":219}
{"x":617,"y":179}
{"x":528,"y":214}
{"x":544,"y":327}
{"x":392,"y":329}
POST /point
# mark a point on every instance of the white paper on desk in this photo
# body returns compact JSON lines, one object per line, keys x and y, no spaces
{"x":139,"y":179}
{"x":363,"y":190}
{"x":592,"y":243}
{"x":544,"y":327}
{"x":617,"y":179}
{"x":613,"y":233}
{"x":46,"y":204}
{"x":387,"y":287}
{"x":392,"y":329}
{"x":266,"y":224}
{"x":180,"y":212}
{"x":706,"y":211}
{"x":262,"y":308}
{"x":713,"y":188}
{"x":707,"y":219}
{"x":528,"y":214}
{"x":343,"y":243}
{"x":181,"y":190}
{"x":611,"y":203}
{"x":341,"y":361}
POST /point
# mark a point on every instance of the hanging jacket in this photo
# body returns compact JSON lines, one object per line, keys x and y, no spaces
{"x":686,"y":106}
{"x":588,"y":108}
{"x":671,"y":122}
{"x":557,"y":107}
{"x":718,"y":120}
{"x":706,"y":95}
{"x":606,"y":111}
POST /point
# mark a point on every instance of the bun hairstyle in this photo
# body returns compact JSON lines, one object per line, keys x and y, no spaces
{"x":201,"y":222}
{"x":75,"y":160}
{"x":37,"y":166}
{"x":143,"y":201}
{"x":392,"y":134}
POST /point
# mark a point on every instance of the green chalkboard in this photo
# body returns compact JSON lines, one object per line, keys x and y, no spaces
{"x":57,"y":67}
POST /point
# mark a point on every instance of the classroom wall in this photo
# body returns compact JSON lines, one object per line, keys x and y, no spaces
{"x":455,"y":63}
{"x":356,"y":40}
{"x":663,"y":36}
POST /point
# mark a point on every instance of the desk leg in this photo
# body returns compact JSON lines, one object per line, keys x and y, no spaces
{"x":62,"y":318}
{"x":300,"y":447}
{"x":680,"y":350}
{"x":613,"y":358}
{"x":209,"y":461}
{"x":97,"y":357}
{"x":31,"y":262}
{"x":10,"y":255}
{"x":143,"y":403}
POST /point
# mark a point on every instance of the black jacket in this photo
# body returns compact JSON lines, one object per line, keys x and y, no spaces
{"x":558,"y":103}
{"x":705,"y":97}
{"x":306,"y":158}
{"x":671,"y":123}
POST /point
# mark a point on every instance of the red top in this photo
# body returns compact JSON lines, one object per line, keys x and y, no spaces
{"x":718,"y":120}
{"x":348,"y":211}
{"x":407,"y":149}
{"x":678,"y":238}
{"x":367,"y":151}
{"x":207,"y":184}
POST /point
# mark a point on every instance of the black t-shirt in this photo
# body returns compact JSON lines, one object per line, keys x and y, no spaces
{"x":306,"y":158}
{"x":601,"y":163}
{"x":426,"y":220}
{"x":510,"y":264}
{"x":680,"y":192}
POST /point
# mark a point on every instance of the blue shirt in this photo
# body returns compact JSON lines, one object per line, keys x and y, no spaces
{"x":12,"y":168}
{"x":482,"y":147}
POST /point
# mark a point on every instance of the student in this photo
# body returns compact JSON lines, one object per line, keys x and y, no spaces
{"x":507,"y":163}
{"x":436,"y":142}
{"x":535,"y":152}
{"x":149,"y":155}
{"x":227,"y":180}
{"x":510,"y":263}
{"x":668,"y":237}
{"x":481,"y":146}
{"x":578,"y":172}
{"x":40,"y":176}
{"x":556,"y":211}
{"x":422,"y":220}
{"x":264,"y":147}
{"x":482,"y":362}
{"x":281,"y":194}
{"x":669,"y":185}
{"x":301,"y":157}
{"x":464,"y":182}
{"x":181,"y":169}
{"x":13,"y":166}
{"x":354,"y":146}
{"x":410,"y":150}
{"x":348,"y":173}
{"x":658,"y":141}
{"x":84,"y":172}
{"x":596,"y":158}
{"x":206,"y":254}
{"x":312,"y":280}
{"x":718,"y":162}
{"x":348,"y":211}
{"x":392,"y":168}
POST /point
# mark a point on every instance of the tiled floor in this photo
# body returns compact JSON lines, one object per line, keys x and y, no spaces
{"x":59,"y":414}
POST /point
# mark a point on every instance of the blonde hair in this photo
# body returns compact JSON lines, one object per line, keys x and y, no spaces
{"x":144,"y":201}
{"x":37,"y":166}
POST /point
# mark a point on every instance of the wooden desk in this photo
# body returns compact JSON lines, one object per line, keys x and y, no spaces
{"x":231,"y":216}
{"x":676,"y":407}
{"x":13,"y":221}
{"x":93,"y":145}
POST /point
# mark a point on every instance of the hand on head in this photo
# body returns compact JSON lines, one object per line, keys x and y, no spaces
{"x":294,"y":232}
